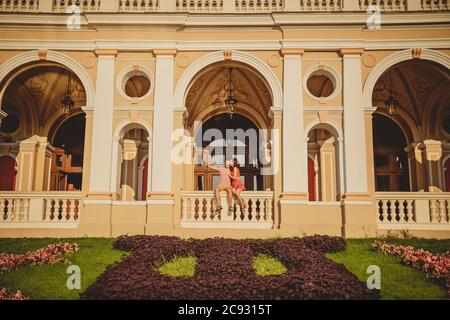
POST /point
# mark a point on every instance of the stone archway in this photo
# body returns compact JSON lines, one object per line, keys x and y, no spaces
{"x":205,"y":107}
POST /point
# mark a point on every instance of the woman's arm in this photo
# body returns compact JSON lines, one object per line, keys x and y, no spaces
{"x":234,"y":175}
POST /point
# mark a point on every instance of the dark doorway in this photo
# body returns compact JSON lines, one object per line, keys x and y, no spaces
{"x":391,"y":161}
{"x":67,"y":162}
{"x":250,"y":166}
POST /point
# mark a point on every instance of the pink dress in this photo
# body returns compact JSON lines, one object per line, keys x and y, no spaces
{"x":237,"y":183}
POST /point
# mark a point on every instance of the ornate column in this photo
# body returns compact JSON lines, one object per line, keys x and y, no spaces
{"x":100,"y":172}
{"x":26,"y":161}
{"x":358,"y":205}
{"x":295,"y":149}
{"x":433,"y":157}
{"x":161,"y":199}
{"x":96,"y":218}
{"x":416,"y":163}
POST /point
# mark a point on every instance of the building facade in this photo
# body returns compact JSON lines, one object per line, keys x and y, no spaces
{"x":107,"y":109}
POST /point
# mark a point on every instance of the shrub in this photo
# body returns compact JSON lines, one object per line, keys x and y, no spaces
{"x":225,"y":271}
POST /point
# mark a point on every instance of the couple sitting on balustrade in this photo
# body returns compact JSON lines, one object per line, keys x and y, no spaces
{"x":231,"y":183}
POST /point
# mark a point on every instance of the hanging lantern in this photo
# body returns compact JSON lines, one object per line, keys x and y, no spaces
{"x":391,"y":103}
{"x":231,"y":102}
{"x":67,"y":102}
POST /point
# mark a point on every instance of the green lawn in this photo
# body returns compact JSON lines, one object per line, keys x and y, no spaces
{"x":49,"y":281}
{"x":397,"y":281}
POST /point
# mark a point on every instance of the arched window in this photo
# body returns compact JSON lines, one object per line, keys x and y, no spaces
{"x":323,"y":175}
{"x":133,"y":164}
{"x":7,"y":173}
{"x":391,"y":162}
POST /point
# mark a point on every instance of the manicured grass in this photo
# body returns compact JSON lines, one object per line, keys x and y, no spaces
{"x":49,"y":281}
{"x":397,"y":281}
{"x":179,"y":267}
{"x":266,"y":265}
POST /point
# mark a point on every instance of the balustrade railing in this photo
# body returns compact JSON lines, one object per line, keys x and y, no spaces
{"x":432,"y":5}
{"x":198,"y":210}
{"x":319,"y":5}
{"x":139,"y":5}
{"x":19,"y":5}
{"x":384,"y":5}
{"x":413,"y":208}
{"x":84,"y":5}
{"x":40,"y":207}
{"x":220,"y":6}
{"x":199,"y":6}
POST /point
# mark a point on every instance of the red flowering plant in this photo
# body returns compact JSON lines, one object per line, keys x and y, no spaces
{"x":5,"y":294}
{"x":50,"y":254}
{"x":436,"y":266}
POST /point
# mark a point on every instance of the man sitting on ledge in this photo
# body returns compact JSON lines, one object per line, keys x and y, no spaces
{"x":224,"y":185}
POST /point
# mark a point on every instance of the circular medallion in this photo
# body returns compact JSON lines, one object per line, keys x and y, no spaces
{"x":369,"y":60}
{"x":274,"y":60}
{"x":89,"y":61}
{"x":182,"y":61}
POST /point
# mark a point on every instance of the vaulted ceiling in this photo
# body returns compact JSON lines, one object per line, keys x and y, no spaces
{"x":35,"y":96}
{"x":248,"y":88}
{"x":422,"y":88}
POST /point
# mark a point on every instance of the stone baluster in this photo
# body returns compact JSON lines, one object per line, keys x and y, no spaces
{"x":410,"y":211}
{"x":384,"y":211}
{"x":433,"y":211}
{"x":184,"y":208}
{"x":442,"y":212}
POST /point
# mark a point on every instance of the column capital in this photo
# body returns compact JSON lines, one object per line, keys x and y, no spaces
{"x":351,"y":51}
{"x":292,"y":52}
{"x":106,"y":52}
{"x":165,"y":52}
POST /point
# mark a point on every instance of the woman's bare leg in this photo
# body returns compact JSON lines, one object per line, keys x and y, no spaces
{"x":217,"y":199}
{"x":240,"y":200}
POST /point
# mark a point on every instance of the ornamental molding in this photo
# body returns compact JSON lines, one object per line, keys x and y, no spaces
{"x":264,"y":45}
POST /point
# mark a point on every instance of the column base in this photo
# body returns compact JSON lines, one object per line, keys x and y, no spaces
{"x":358,"y":215}
{"x":95,"y":219}
{"x":160,"y":214}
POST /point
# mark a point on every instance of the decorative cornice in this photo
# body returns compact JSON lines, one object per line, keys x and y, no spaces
{"x":351,"y":51}
{"x":106,"y":52}
{"x":255,"y":45}
{"x":165,"y":52}
{"x":292,"y":51}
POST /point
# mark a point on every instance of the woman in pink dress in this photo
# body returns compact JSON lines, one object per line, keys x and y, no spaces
{"x":236,"y":184}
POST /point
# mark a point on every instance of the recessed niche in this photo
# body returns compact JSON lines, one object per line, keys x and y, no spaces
{"x":137,"y":86}
{"x":135,"y":83}
{"x":322,"y":82}
{"x":320,"y":85}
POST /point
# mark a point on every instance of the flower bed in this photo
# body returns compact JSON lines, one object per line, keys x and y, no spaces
{"x":225,"y":271}
{"x":5,"y":294}
{"x":434,"y":266}
{"x":50,"y":254}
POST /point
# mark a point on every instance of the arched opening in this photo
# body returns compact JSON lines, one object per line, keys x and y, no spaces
{"x":68,"y":155}
{"x":391,"y":161}
{"x":323,"y":171}
{"x":133,"y":164}
{"x":245,"y":136}
{"x":223,"y":140}
{"x":417,"y":124}
{"x":7,"y":173}
{"x":37,"y":129}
